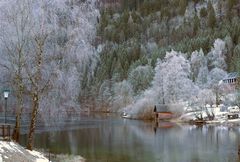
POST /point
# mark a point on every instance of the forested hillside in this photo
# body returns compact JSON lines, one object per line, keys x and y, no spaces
{"x":106,"y":55}
{"x":182,"y":25}
{"x":132,"y":35}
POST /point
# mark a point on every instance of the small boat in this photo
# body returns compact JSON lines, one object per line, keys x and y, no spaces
{"x":126,"y":115}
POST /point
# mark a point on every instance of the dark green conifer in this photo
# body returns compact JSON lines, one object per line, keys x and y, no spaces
{"x":196,"y":24}
{"x":203,"y":12}
{"x":183,"y":6}
{"x":211,"y":21}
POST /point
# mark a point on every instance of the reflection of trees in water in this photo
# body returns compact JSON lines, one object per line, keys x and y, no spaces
{"x":220,"y":140}
{"x":72,"y":142}
{"x":183,"y":143}
{"x":194,"y":142}
{"x":130,"y":140}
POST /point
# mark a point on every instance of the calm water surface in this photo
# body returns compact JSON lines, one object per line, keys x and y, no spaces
{"x":112,"y":139}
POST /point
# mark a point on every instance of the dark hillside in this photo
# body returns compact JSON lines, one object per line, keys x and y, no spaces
{"x":134,"y":34}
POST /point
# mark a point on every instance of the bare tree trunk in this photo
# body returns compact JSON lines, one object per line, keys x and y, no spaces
{"x":33,"y":121}
{"x":15,"y":43}
{"x":16,"y":131}
{"x":27,"y":63}
{"x":37,"y":91}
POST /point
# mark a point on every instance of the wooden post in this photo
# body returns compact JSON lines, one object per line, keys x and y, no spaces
{"x":9,"y":132}
{"x":3,"y":131}
{"x":155,"y":113}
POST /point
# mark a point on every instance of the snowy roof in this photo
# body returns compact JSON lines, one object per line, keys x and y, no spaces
{"x":232,"y":75}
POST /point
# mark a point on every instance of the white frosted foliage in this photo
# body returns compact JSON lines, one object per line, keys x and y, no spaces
{"x":217,"y":54}
{"x":171,"y":84}
{"x":173,"y":74}
{"x":68,"y":29}
{"x":179,"y":80}
{"x":140,"y":77}
{"x":123,"y":95}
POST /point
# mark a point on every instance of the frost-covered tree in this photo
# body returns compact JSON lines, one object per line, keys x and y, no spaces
{"x":27,"y":41}
{"x":174,"y":77}
{"x":75,"y":59}
{"x":38,"y":59}
{"x":236,"y":57}
{"x":123,"y":95}
{"x":105,"y":95}
{"x":217,"y":55}
{"x":202,"y":77}
{"x":217,"y":65}
{"x":205,"y":96}
{"x":198,"y":61}
{"x":78,"y":58}
{"x":50,"y":49}
{"x":140,"y":78}
{"x":209,"y":71}
{"x":216,"y":75}
{"x":213,"y":62}
{"x":214,"y":78}
{"x":171,"y":84}
{"x":177,"y":79}
{"x":15,"y":29}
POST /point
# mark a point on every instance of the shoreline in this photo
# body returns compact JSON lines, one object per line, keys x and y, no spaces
{"x":13,"y":152}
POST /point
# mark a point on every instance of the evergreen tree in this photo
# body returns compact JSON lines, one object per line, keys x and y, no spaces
{"x":103,"y":23}
{"x":183,"y":6}
{"x":196,"y":24}
{"x":211,"y":21}
{"x":230,"y":5}
{"x":125,"y":4}
{"x":236,"y":58}
{"x":203,"y":12}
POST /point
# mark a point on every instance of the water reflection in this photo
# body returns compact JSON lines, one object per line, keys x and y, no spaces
{"x":112,"y":139}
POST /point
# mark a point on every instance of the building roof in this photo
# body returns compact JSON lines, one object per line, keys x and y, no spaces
{"x":232,"y":75}
{"x":162,"y":108}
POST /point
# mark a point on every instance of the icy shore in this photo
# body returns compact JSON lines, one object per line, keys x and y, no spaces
{"x":12,"y":152}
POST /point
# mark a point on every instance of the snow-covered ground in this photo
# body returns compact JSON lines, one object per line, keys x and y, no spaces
{"x":12,"y":152}
{"x":220,"y":114}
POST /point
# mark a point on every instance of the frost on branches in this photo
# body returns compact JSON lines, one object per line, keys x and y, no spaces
{"x":171,"y":84}
{"x":179,"y":80}
{"x":66,"y":30}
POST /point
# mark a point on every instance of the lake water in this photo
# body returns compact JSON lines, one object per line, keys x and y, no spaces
{"x":112,"y":139}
